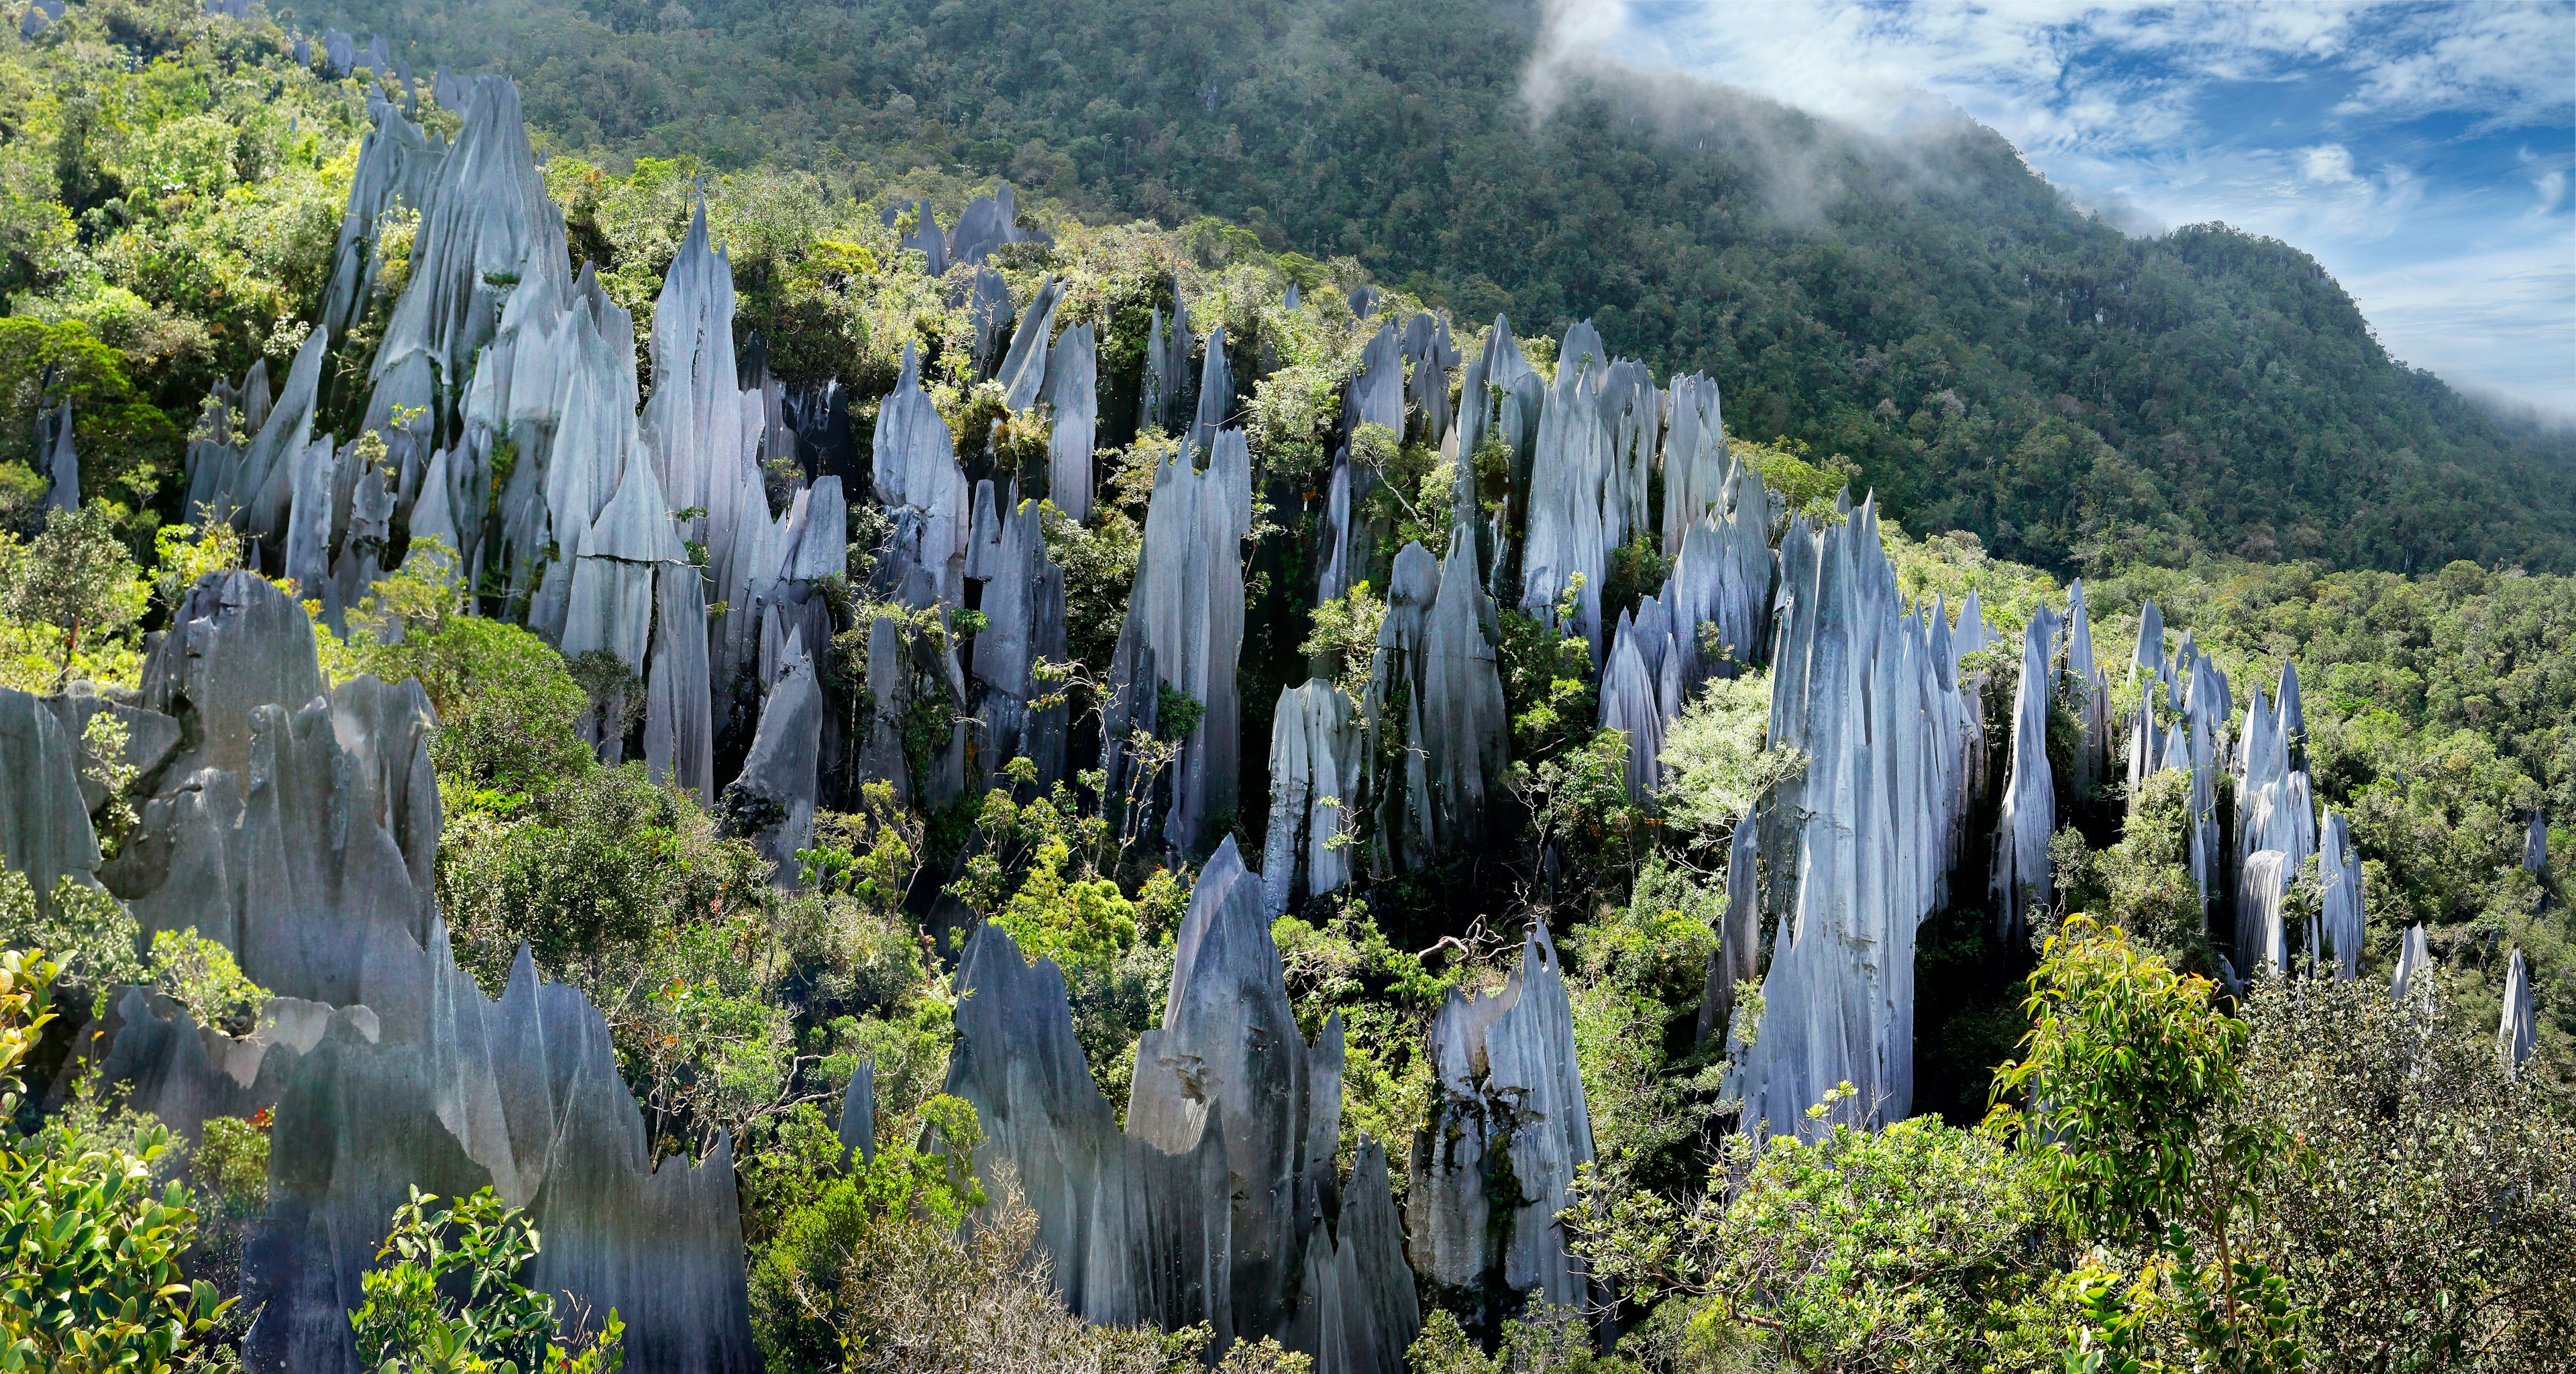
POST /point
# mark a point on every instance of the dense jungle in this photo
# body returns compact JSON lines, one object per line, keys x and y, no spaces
{"x":909,"y":686}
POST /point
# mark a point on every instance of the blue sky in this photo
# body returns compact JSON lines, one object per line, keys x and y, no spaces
{"x":2425,"y":153}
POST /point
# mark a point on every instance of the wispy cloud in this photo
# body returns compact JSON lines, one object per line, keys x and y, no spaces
{"x":2425,"y":152}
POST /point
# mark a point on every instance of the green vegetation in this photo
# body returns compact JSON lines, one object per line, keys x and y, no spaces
{"x":1988,"y":357}
{"x":2311,"y":1175}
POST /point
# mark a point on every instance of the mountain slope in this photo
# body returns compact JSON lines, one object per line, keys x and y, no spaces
{"x":1989,"y":358}
{"x":1984,"y":354}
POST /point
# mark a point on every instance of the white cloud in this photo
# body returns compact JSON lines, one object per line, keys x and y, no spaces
{"x":2300,"y":119}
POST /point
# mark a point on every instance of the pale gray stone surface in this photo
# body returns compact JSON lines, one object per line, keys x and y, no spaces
{"x":779,"y":771}
{"x":1435,"y":700}
{"x":2338,"y":931}
{"x":2535,"y":845}
{"x":398,"y":163}
{"x":62,"y":461}
{"x":1216,"y":395}
{"x":2414,"y":960}
{"x":1429,"y":354}
{"x":1315,"y":794}
{"x":2517,"y":1031}
{"x":1739,"y":940}
{"x":1508,"y":1081}
{"x":1023,"y":370}
{"x":1168,"y":343}
{"x":2021,"y":875}
{"x":1570,"y":490}
{"x":922,"y":488}
{"x":1857,"y":843}
{"x":1184,"y":628}
{"x":1024,"y":601}
{"x":522,"y":1094}
{"x":45,"y":829}
{"x":1696,"y":465}
{"x":1073,"y":393}
{"x":2261,"y":943}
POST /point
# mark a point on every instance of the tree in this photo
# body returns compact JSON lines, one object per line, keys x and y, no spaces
{"x":90,"y":1248}
{"x":76,"y":577}
{"x":450,"y":1301}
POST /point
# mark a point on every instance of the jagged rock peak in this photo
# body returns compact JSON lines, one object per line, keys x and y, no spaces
{"x":1314,"y":793}
{"x":2517,"y":1030}
{"x":924,"y":490}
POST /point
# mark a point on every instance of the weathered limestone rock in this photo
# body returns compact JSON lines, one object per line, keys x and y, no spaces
{"x":249,"y":484}
{"x":1500,"y":398}
{"x":1859,"y":840}
{"x":1314,"y":791}
{"x":1073,"y":393}
{"x":1024,"y":601}
{"x":1738,"y":955}
{"x":925,"y":238}
{"x":1160,"y":405}
{"x":458,"y":1092}
{"x":2517,"y":1032}
{"x":615,"y":565}
{"x":905,"y":668}
{"x":1228,"y":1059}
{"x":1570,"y":486}
{"x":1508,"y":1084}
{"x":2414,"y":961}
{"x":990,"y":223}
{"x":62,"y":463}
{"x":679,"y":725}
{"x":778,"y":785}
{"x":921,"y":486}
{"x":1134,"y":1233}
{"x":1023,"y":370}
{"x":2261,"y":944}
{"x":1357,"y":1312}
{"x":44,"y":821}
{"x":1723,"y":577}
{"x":1629,"y":704}
{"x":1216,"y":396}
{"x":1631,"y":415}
{"x":1184,"y":629}
{"x":2021,"y":872}
{"x":398,"y":163}
{"x":2092,"y":754}
{"x":1436,"y":701}
{"x":2535,"y":845}
{"x":1696,"y":467}
{"x":2337,"y":933}
{"x":1429,"y":353}
{"x":857,"y":1128}
{"x":1375,"y":395}
{"x":185,"y":1074}
{"x":486,"y":225}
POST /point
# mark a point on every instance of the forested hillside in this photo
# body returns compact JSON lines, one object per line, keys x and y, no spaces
{"x":1988,"y":357}
{"x":769,"y":760}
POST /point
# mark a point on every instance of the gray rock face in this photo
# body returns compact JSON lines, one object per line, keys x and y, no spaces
{"x":2021,"y":871}
{"x":1375,"y":395}
{"x":1493,"y":405}
{"x":778,"y":775}
{"x":523,"y":1094}
{"x":250,"y":484}
{"x":398,"y":163}
{"x":1073,"y":393}
{"x":1429,"y":353}
{"x":1436,"y":701}
{"x":44,"y":821}
{"x":62,"y":462}
{"x":1739,"y":943}
{"x":1184,"y":629}
{"x":2535,"y":845}
{"x":1216,"y":396}
{"x":2517,"y":1032}
{"x":486,"y":226}
{"x":925,"y":238}
{"x":1023,"y":370}
{"x":1508,"y":1085}
{"x":1696,"y":466}
{"x":1357,"y":1313}
{"x":990,"y":223}
{"x":1315,"y":790}
{"x":1229,"y":1060}
{"x":1631,"y":413}
{"x":1135,"y":1233}
{"x":1859,"y":841}
{"x":185,"y":1074}
{"x":2261,"y":944}
{"x":1631,"y":705}
{"x":1167,"y":368}
{"x":924,"y":491}
{"x":905,"y":668}
{"x":679,"y":727}
{"x":2337,"y":932}
{"x":2092,"y":754}
{"x":1024,"y":601}
{"x":2414,"y":960}
{"x":857,"y":1128}
{"x":1571,"y":491}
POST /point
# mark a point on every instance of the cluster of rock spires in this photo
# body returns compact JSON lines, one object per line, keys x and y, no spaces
{"x":1862,"y":841}
{"x":298,"y":826}
{"x":1221,"y":1201}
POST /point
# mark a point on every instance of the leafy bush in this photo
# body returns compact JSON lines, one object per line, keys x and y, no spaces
{"x":450,"y":1299}
{"x":200,"y":975}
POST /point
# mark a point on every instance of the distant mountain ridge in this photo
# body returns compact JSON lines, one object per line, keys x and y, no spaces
{"x":1988,"y":357}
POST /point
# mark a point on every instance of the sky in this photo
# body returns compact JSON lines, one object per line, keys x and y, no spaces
{"x":2425,"y":153}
